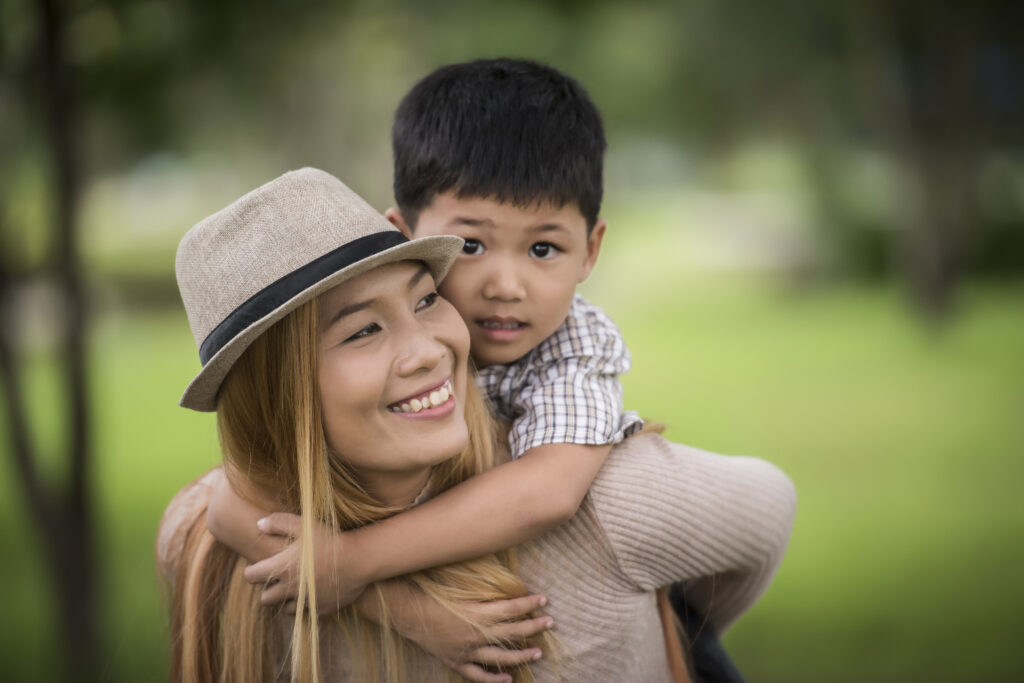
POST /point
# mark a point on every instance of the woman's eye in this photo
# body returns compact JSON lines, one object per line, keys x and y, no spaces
{"x":543,"y":250}
{"x":372,"y":328}
{"x":473,"y":247}
{"x":428,"y":301}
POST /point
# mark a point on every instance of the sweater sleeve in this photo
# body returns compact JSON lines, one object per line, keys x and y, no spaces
{"x":718,"y":524}
{"x":183,"y":510}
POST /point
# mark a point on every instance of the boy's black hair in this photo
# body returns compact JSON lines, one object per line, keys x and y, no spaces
{"x":508,"y":129}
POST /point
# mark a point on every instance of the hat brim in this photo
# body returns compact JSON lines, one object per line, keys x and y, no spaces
{"x":438,"y":253}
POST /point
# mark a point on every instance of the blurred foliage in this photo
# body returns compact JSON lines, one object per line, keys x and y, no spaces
{"x":903,"y":119}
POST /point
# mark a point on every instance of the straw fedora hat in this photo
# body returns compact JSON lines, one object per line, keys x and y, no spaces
{"x":246,"y":266}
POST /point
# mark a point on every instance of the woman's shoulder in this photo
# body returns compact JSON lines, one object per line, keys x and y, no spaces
{"x":647,"y":467}
{"x":179,"y":516}
{"x":660,"y":502}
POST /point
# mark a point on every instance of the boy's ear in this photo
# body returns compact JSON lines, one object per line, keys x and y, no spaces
{"x":395,"y":216}
{"x":593,"y":248}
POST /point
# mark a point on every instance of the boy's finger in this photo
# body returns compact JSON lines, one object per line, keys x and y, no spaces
{"x":478,"y":674}
{"x":500,"y":610}
{"x":261,"y":571}
{"x":518,"y":630}
{"x":499,"y":656}
{"x":281,"y":524}
{"x":274,"y":594}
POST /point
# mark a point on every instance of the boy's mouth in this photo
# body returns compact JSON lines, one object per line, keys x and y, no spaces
{"x":432,"y":398}
{"x":500,"y":329}
{"x":499,"y":323}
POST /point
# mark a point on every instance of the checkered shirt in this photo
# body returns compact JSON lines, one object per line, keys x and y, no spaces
{"x":566,"y":390}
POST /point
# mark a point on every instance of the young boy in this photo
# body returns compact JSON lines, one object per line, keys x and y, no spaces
{"x":507,"y":154}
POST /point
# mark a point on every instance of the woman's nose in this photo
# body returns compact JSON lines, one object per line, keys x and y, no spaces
{"x":504,"y":282}
{"x":420,"y":351}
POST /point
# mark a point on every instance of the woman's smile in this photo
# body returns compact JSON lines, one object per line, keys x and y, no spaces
{"x":436,"y":401}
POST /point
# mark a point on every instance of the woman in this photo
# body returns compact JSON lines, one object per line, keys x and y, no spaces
{"x":314,"y":319}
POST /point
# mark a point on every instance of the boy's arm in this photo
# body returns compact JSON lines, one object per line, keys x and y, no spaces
{"x":232,"y":519}
{"x":497,"y":509}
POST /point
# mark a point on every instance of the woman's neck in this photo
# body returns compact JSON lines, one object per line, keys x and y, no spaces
{"x":397,"y":489}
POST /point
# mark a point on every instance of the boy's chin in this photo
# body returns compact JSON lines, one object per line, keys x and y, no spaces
{"x":499,"y":357}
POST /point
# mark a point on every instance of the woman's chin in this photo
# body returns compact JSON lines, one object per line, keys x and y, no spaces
{"x":432,"y":449}
{"x":447,"y":442}
{"x":449,"y":448}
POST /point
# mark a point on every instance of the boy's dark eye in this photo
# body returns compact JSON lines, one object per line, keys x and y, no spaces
{"x":372,"y":328}
{"x":543,"y":250}
{"x":473,"y":247}
{"x":428,"y":301}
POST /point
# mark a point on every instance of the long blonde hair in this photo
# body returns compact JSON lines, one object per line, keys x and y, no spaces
{"x":269,"y":421}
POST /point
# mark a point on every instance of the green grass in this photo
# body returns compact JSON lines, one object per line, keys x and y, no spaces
{"x":907,"y":449}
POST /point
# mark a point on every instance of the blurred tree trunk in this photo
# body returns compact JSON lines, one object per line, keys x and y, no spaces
{"x":57,"y":92}
{"x":917,"y":69}
{"x":71,"y":550}
{"x":938,"y":64}
{"x":62,"y":515}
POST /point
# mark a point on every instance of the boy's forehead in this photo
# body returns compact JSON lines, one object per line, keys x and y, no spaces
{"x":494,"y":212}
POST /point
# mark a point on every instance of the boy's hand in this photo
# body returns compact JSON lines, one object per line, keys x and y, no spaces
{"x":280,"y":572}
{"x":469,"y":651}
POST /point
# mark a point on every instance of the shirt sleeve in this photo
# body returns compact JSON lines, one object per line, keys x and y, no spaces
{"x":717,"y":524}
{"x":573,"y":393}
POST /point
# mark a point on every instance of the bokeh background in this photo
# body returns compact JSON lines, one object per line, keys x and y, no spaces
{"x":815,"y":253}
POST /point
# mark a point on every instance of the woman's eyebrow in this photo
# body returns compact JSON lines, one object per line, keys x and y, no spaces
{"x":414,"y":280}
{"x":349,"y":310}
{"x":360,"y":305}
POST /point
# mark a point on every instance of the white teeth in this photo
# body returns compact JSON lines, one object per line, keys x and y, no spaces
{"x":435,"y":398}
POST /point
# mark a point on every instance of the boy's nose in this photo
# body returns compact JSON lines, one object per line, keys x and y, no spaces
{"x":504,"y":284}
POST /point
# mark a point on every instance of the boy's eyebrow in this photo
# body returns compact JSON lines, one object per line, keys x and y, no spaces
{"x":360,"y":305}
{"x":472,"y":222}
{"x":549,"y":227}
{"x":488,"y":223}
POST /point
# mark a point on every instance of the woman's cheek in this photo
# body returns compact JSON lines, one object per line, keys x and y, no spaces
{"x":457,"y":331}
{"x":338,"y":393}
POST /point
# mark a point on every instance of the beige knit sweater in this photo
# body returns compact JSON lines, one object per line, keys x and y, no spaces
{"x":658,"y":513}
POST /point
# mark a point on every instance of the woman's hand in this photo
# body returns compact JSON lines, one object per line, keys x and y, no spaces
{"x":469,"y":651}
{"x":336,"y":585}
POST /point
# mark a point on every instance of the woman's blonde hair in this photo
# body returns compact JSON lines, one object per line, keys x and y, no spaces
{"x":269,"y":420}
